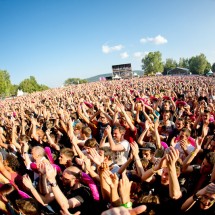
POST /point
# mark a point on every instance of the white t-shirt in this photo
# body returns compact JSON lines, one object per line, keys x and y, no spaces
{"x":121,"y":157}
{"x":182,"y":154}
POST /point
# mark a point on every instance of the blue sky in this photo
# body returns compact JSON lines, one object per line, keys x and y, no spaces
{"x":53,"y":40}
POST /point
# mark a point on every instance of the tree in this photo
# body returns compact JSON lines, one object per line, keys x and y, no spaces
{"x":152,"y":63}
{"x":170,"y":64}
{"x":213,"y":67}
{"x":14,"y":89}
{"x":183,"y":63}
{"x":5,"y":83}
{"x":207,"y":68}
{"x":198,"y":64}
{"x":43,"y":87}
{"x":30,"y":85}
{"x":70,"y":81}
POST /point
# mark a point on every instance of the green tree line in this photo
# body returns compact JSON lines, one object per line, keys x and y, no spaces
{"x":152,"y":63}
{"x":71,"y":81}
{"x":28,"y":85}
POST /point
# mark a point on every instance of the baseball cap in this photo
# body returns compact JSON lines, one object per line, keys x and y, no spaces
{"x":149,"y":146}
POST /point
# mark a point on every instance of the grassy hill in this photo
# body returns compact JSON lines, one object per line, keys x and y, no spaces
{"x":96,"y":78}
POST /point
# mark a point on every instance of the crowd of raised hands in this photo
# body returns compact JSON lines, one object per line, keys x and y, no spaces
{"x":138,"y":146}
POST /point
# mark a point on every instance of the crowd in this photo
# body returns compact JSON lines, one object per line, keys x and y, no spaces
{"x":138,"y":146}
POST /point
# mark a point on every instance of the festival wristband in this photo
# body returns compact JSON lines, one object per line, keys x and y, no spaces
{"x":127,"y":205}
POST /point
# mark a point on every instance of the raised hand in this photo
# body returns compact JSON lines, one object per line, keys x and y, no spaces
{"x":104,"y":166}
{"x":87,"y":163}
{"x":95,"y":157}
{"x":162,"y":163}
{"x":33,"y":121}
{"x":210,"y":188}
{"x":147,"y":124}
{"x":106,"y":175}
{"x":115,"y":179}
{"x":27,"y":182}
{"x":125,"y":188}
{"x":199,"y":141}
{"x":42,"y":168}
{"x":51,"y":173}
{"x":135,"y":149}
{"x":25,"y":146}
{"x":183,"y":144}
{"x":172,"y":157}
{"x":108,"y":129}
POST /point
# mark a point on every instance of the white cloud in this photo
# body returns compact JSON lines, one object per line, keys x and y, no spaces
{"x":107,"y":49}
{"x":158,"y":40}
{"x":143,"y":40}
{"x":140,"y":55}
{"x":124,"y":55}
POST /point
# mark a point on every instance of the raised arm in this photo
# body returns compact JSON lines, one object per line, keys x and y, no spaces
{"x":58,"y":194}
{"x":112,"y":181}
{"x":186,"y":167}
{"x":128,"y":119}
{"x":148,"y":175}
{"x":135,"y":152}
{"x":157,"y":136}
{"x":124,"y":190}
{"x":44,"y":200}
{"x":210,"y":188}
{"x":141,"y":137}
{"x":174,"y":187}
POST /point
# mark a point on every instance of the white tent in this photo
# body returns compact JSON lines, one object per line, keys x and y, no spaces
{"x":116,"y":77}
{"x":158,"y":73}
{"x":209,"y":73}
{"x":20,"y":93}
{"x":135,"y":75}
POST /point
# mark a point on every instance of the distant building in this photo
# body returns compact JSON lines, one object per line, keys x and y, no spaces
{"x":122,"y":71}
{"x":179,"y":71}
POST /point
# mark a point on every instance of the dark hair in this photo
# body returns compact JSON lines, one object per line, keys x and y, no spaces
{"x":152,"y":202}
{"x":67,"y":152}
{"x":201,"y":98}
{"x":187,"y":131}
{"x":28,"y":206}
{"x":180,"y":119}
{"x":121,"y":129}
{"x":87,"y":131}
{"x":92,"y":143}
{"x":6,"y":189}
{"x":13,"y":162}
{"x":166,"y":111}
{"x":74,"y":116}
{"x":210,"y":157}
{"x":107,"y":151}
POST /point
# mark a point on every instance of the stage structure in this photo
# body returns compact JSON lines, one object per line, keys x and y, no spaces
{"x":122,"y":71}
